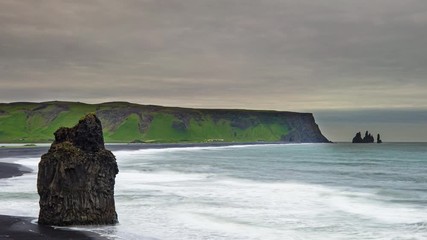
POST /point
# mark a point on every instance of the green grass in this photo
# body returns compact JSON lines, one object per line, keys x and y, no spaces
{"x":31,"y":122}
{"x":202,"y":131}
{"x":14,"y":127}
{"x":128,"y":131}
{"x":161,"y":130}
{"x":20,"y":126}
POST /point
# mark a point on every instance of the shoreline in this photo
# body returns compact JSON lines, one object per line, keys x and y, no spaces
{"x":138,"y":146}
{"x":23,"y":228}
{"x":8,"y":170}
{"x":38,"y":151}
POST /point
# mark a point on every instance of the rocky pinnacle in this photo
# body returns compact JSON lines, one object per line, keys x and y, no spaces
{"x":76,"y":177}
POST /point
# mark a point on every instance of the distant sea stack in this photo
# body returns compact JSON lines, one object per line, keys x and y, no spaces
{"x":76,"y":177}
{"x":368,"y":138}
{"x":379,"y":139}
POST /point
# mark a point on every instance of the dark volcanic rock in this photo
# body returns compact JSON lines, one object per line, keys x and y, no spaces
{"x":379,"y":139}
{"x":76,"y":177}
{"x":368,"y":138}
{"x":358,"y":138}
{"x":179,"y":126}
{"x":303,"y":129}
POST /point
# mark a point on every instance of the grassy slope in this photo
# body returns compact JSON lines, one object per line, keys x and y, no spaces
{"x":124,"y":122}
{"x":19,"y":125}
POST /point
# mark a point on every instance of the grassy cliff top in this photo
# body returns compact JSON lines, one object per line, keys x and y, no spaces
{"x":129,"y":122}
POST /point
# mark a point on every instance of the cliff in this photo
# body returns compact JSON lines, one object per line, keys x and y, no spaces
{"x":76,"y":177}
{"x":127,"y":122}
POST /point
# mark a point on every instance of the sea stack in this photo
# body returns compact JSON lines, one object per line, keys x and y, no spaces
{"x":358,"y":138}
{"x":76,"y":177}
{"x":367,"y":139}
{"x":379,"y":139}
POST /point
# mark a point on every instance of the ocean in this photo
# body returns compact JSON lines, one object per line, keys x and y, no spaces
{"x":293,"y":191}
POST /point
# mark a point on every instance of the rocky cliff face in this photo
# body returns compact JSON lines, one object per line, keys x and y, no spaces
{"x":76,"y":177}
{"x":303,"y":129}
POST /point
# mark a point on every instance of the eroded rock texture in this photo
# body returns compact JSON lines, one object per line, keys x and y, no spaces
{"x":76,"y":177}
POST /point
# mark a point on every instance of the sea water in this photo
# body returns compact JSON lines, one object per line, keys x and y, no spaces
{"x":302,"y":191}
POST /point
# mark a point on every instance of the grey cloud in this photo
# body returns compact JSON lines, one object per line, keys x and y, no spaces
{"x":375,"y":115}
{"x":277,"y":54}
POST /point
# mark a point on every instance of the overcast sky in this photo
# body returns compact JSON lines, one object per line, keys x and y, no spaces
{"x":302,"y":55}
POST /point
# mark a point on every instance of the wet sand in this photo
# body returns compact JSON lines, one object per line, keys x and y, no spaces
{"x":21,"y":228}
{"x":8,"y":170}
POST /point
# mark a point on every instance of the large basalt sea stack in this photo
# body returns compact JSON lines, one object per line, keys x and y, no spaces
{"x":76,"y":177}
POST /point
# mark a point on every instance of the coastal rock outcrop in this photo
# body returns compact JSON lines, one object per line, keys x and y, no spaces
{"x":358,"y":138}
{"x":76,"y":177}
{"x":379,"y":139}
{"x":368,"y":138}
{"x":303,"y":129}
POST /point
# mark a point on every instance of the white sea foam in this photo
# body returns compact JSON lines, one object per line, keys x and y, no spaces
{"x":243,"y":209}
{"x":159,"y":202}
{"x":365,"y":208}
{"x":151,"y":151}
{"x":31,"y":163}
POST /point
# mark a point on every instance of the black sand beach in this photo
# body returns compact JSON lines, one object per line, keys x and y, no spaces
{"x":8,"y":170}
{"x":22,"y":228}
